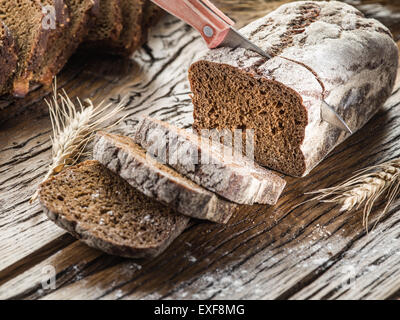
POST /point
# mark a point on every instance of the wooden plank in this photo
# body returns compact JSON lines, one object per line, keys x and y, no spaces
{"x":263,"y":253}
{"x":369,"y":269}
{"x":67,"y":264}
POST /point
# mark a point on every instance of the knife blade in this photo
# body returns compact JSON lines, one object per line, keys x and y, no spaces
{"x":329,"y":115}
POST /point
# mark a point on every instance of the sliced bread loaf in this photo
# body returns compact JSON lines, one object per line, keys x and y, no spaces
{"x":8,"y":58}
{"x":125,"y":158}
{"x":24,"y":19}
{"x":234,"y":177}
{"x":103,"y":210}
{"x":107,"y":26}
{"x":65,"y":45}
{"x":322,"y":51}
{"x":136,"y":19}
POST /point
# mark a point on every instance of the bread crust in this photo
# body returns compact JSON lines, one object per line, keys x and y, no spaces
{"x":236,"y":178}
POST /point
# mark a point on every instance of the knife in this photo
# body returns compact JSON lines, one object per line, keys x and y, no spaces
{"x":217,"y":30}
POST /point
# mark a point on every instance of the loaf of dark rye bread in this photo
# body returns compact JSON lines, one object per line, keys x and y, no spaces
{"x":104,"y":211}
{"x":8,"y":57}
{"x":125,"y":158}
{"x":322,"y":50}
{"x":214,"y":167}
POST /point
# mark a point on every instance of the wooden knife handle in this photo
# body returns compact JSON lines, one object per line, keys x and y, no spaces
{"x":202,"y":15}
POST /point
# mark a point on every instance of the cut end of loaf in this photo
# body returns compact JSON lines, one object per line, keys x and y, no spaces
{"x":225,"y":97}
{"x":103,"y":210}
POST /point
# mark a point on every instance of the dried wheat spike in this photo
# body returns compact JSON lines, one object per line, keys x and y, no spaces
{"x":74,"y":126}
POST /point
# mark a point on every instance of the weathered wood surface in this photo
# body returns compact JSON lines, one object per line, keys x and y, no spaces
{"x":286,"y":251}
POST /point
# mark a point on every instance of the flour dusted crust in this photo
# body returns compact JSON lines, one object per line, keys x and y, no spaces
{"x":104,"y":211}
{"x":122,"y":156}
{"x":321,"y":50}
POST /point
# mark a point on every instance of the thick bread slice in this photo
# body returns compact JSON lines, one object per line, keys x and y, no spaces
{"x":104,"y":211}
{"x":8,"y":58}
{"x":125,"y":158}
{"x":151,"y":15}
{"x":80,"y":12}
{"x":322,"y":51}
{"x":236,"y":178}
{"x":131,"y":35}
{"x":107,"y":26}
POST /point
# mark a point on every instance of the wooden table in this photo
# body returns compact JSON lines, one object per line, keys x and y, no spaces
{"x":288,"y":251}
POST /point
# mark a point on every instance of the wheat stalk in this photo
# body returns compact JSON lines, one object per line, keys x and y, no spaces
{"x":73,"y":128}
{"x":365,"y":188}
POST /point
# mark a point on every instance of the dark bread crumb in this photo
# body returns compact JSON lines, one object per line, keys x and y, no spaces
{"x":24,"y":19}
{"x":131,"y":35}
{"x":127,"y":159}
{"x":239,"y":100}
{"x":136,"y":19}
{"x":51,"y":49}
{"x":103,"y":210}
{"x":107,"y":25}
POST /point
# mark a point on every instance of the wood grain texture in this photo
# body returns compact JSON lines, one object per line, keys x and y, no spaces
{"x":287,"y":251}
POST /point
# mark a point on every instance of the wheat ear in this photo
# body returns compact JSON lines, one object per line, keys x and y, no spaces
{"x":365,"y":188}
{"x":73,"y":128}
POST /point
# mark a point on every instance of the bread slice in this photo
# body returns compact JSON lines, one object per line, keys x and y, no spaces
{"x":80,"y":12}
{"x":125,"y":158}
{"x":24,"y":19}
{"x":107,"y":26}
{"x":104,"y":211}
{"x":235,"y":178}
{"x":8,"y":58}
